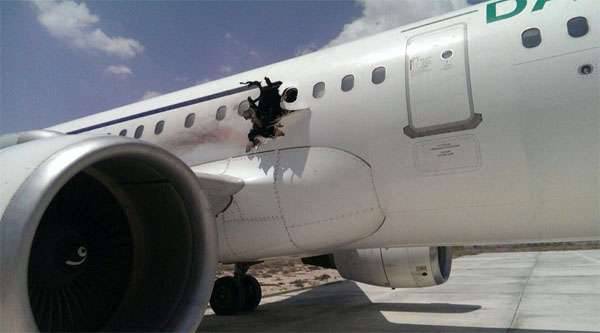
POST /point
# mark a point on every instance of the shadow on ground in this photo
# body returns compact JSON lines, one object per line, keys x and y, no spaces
{"x":342,"y":307}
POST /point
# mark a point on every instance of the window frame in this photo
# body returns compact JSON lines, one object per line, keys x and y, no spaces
{"x":123,"y":132}
{"x":576,"y":19}
{"x":373,"y":72}
{"x":322,"y":91}
{"x":241,"y":110}
{"x":345,"y":79}
{"x":189,"y":121}
{"x":139,"y":132}
{"x":221,"y":110}
{"x":286,"y":95}
{"x":159,"y":127}
{"x":524,"y":39}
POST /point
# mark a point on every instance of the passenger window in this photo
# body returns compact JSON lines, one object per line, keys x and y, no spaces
{"x":243,"y":107}
{"x":221,"y":112}
{"x":290,"y":95}
{"x":189,"y":120}
{"x":319,"y":90}
{"x":531,"y":38}
{"x":348,"y":83}
{"x":378,"y":75}
{"x":578,"y":27}
{"x":123,"y":132}
{"x":138,"y":132}
{"x":159,"y":127}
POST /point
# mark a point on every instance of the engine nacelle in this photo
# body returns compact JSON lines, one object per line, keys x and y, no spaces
{"x":396,"y":267}
{"x":102,"y":234}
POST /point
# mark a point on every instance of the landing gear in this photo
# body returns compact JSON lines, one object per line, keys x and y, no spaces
{"x":252,"y":293}
{"x":227,"y":296}
{"x":238,"y":293}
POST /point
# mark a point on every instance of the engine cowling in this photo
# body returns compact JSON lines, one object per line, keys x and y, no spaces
{"x":102,"y":234}
{"x":396,"y":267}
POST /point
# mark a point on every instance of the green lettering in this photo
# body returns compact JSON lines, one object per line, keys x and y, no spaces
{"x":492,"y":12}
{"x":539,"y":5}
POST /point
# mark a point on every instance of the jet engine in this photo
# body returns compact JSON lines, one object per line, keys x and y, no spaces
{"x":391,"y":267}
{"x":102,"y":234}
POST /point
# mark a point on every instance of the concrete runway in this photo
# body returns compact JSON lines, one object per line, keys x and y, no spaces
{"x":488,"y":293}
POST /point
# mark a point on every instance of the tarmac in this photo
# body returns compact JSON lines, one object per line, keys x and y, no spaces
{"x":489,"y":293}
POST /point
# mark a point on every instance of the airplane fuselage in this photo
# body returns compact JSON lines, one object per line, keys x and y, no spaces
{"x":482,"y":126}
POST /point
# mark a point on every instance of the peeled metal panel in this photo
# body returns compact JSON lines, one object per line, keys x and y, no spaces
{"x":438,"y":88}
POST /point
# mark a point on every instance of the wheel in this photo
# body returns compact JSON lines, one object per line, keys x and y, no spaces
{"x":227,"y":297}
{"x":252,"y":293}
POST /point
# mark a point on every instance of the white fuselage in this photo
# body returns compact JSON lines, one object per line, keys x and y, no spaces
{"x":528,"y":172}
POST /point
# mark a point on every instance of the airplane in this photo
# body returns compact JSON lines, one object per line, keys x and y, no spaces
{"x":481,"y":126}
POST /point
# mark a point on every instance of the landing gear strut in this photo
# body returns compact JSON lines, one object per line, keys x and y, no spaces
{"x":238,"y":293}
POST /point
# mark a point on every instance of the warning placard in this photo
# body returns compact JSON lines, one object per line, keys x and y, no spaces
{"x":447,"y":155}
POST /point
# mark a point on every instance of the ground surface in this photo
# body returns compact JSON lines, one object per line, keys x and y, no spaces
{"x":286,"y":274}
{"x":489,"y":293}
{"x":289,"y":274}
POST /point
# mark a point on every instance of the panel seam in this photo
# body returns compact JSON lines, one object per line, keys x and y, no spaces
{"x":276,"y":172}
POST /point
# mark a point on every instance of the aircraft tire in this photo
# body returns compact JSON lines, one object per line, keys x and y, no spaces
{"x":252,"y":292}
{"x":227,"y":296}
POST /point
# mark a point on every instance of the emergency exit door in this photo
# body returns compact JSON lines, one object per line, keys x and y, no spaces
{"x":438,"y":86}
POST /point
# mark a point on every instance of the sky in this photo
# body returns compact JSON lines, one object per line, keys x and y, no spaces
{"x":61,"y":60}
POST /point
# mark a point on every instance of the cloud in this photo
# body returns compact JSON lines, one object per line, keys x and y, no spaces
{"x":119,"y":70}
{"x":237,"y":55}
{"x":381,"y":15}
{"x":150,"y":94}
{"x":74,"y":24}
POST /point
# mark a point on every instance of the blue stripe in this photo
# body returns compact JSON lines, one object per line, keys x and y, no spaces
{"x":165,"y":109}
